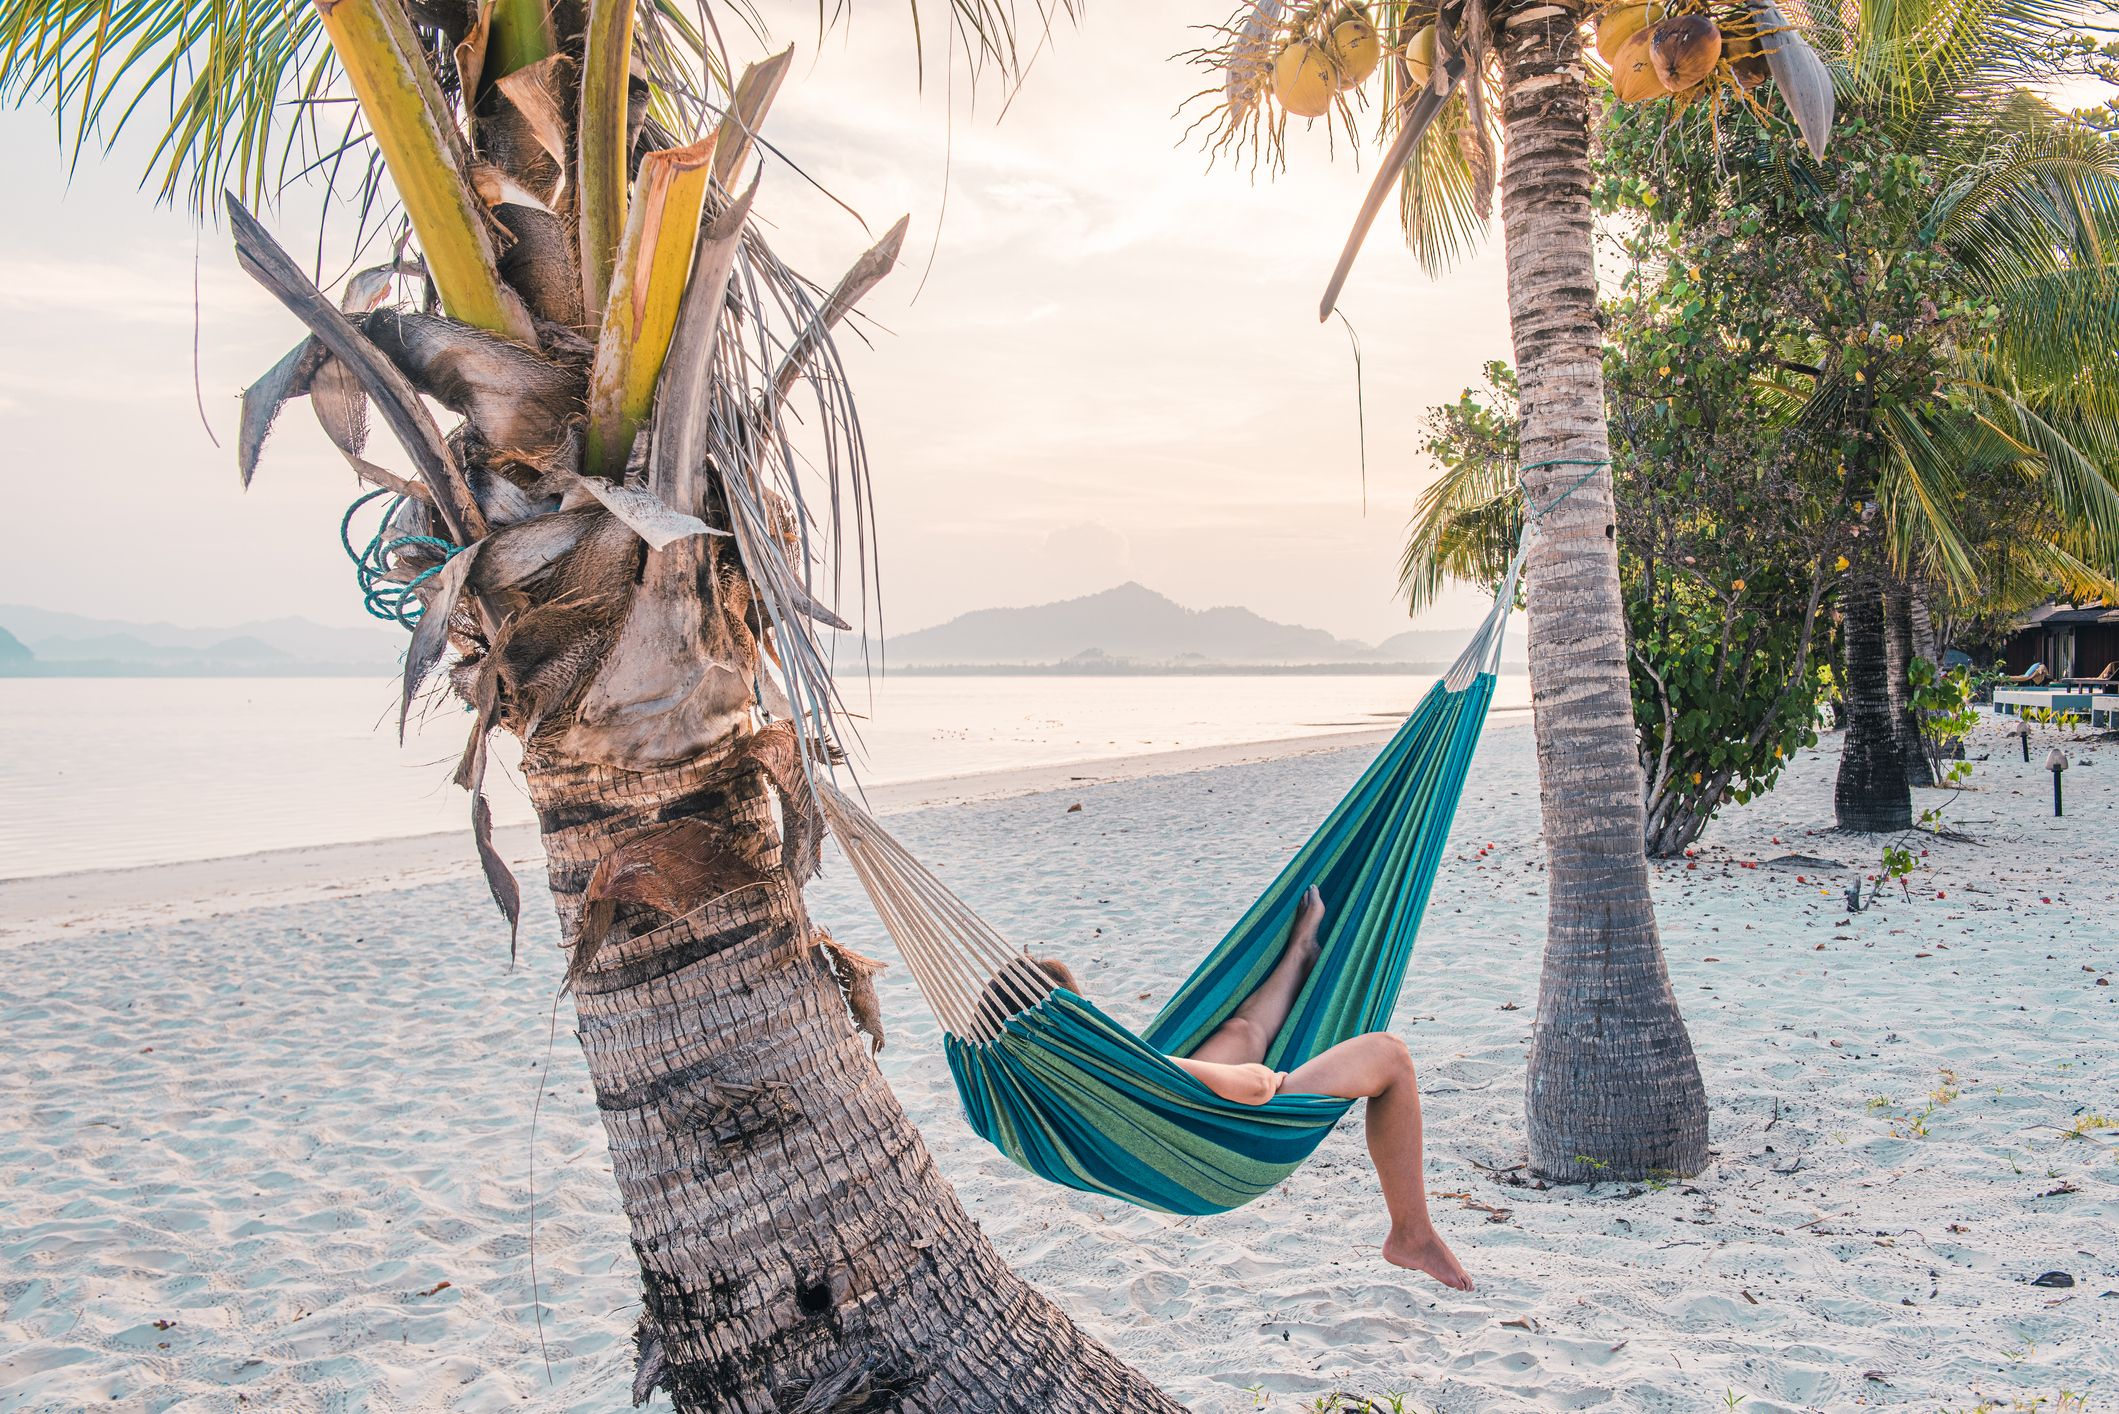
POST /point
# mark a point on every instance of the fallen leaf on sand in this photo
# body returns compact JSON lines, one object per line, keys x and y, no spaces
{"x":435,"y":1289}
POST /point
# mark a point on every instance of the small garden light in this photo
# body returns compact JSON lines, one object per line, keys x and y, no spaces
{"x":2056,"y":762}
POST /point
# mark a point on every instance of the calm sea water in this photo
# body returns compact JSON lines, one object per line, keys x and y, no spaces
{"x":102,"y":772}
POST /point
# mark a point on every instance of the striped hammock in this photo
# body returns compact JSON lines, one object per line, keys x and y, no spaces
{"x":1075,"y":1097}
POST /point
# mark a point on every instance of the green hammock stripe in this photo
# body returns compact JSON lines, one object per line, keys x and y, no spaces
{"x":1078,"y":1099}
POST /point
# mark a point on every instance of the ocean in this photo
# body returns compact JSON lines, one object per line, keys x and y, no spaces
{"x":118,"y":772}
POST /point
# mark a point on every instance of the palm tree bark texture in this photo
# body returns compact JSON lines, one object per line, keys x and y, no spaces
{"x":1614,"y":1089}
{"x":1871,"y":795}
{"x":797,"y":1247}
{"x":1899,"y":652}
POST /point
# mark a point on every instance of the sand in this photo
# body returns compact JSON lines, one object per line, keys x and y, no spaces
{"x":274,"y":1152}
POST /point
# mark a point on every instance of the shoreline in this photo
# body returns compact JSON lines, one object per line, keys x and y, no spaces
{"x":38,"y":907}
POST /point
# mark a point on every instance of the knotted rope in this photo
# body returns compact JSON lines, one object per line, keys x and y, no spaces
{"x":395,"y":600}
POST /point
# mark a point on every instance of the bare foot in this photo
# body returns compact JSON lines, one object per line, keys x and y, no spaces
{"x":1309,"y":917}
{"x":1427,"y":1253}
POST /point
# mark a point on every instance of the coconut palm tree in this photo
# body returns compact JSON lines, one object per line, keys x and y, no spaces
{"x":2020,"y":219}
{"x":1469,"y":87}
{"x":616,"y":545}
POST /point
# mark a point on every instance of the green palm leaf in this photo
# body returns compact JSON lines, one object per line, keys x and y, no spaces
{"x":236,"y":86}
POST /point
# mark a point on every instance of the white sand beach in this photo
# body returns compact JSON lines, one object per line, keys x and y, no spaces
{"x":268,"y":1132}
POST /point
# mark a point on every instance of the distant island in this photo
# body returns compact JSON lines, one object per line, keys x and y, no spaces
{"x":47,"y":643}
{"x":1132,"y":629}
{"x":1128,"y":630}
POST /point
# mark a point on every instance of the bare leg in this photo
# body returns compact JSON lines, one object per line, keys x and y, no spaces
{"x":1377,"y":1067}
{"x":1245,"y":1036}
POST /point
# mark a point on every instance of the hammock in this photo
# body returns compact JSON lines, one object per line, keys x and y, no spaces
{"x":1075,"y":1097}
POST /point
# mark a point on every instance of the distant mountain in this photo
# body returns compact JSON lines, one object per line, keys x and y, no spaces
{"x":1130,"y":622}
{"x":131,"y":648}
{"x":1442,"y":645}
{"x":1133,"y":625}
{"x":61,"y":644}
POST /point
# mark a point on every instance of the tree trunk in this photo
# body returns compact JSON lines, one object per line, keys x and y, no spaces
{"x":797,"y":1248}
{"x":1926,"y":642}
{"x":1871,"y":795}
{"x":1613,"y":1089}
{"x":1899,"y":653}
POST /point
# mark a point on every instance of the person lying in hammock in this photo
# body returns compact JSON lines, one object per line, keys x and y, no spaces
{"x":1376,"y":1067}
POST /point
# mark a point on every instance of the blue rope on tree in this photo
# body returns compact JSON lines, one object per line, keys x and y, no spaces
{"x":392,"y":600}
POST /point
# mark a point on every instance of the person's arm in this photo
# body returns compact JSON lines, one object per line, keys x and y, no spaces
{"x":1244,"y":1084}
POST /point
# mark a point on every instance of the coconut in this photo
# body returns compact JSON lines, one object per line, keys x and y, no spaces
{"x":1684,"y":50}
{"x":1420,"y":56}
{"x":1353,"y":48}
{"x":1621,"y":23}
{"x":1633,"y":75}
{"x":1746,"y":57}
{"x":1304,"y":79}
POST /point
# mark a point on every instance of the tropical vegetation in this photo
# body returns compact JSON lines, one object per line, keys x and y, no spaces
{"x":1892,"y":365}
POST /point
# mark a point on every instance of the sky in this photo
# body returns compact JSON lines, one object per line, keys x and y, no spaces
{"x":1098,"y":360}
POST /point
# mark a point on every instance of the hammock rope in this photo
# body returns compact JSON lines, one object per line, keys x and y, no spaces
{"x":388,"y":591}
{"x":1075,"y":1097}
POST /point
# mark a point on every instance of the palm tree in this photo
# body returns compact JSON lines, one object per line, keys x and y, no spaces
{"x":616,"y":544}
{"x":1613,"y":1088}
{"x":2024,"y":220}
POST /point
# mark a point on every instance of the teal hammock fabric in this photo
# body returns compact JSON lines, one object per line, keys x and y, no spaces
{"x":1076,"y":1098}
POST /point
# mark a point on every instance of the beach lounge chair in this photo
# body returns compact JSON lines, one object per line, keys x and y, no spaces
{"x":2038,"y":676}
{"x":2106,"y":681}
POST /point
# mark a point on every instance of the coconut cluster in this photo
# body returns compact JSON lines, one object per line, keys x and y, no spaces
{"x":1336,"y":50}
{"x":1656,"y":49}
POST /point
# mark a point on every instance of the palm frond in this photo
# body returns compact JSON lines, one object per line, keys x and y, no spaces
{"x":1467,"y":522}
{"x":2031,"y":202}
{"x":992,"y":35}
{"x":234,"y":86}
{"x":1917,"y":491}
{"x":2044,"y":565}
{"x":2082,"y":492}
{"x":1438,"y":194}
{"x":1919,"y":64}
{"x":2061,"y":328}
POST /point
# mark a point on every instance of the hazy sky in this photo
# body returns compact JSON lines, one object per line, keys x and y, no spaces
{"x":1115,"y":370}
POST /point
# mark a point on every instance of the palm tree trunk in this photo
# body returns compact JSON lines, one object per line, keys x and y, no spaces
{"x":1898,"y":661}
{"x":1613,"y":1089}
{"x":797,"y":1247}
{"x":1871,"y":794}
{"x":1925,"y":642}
